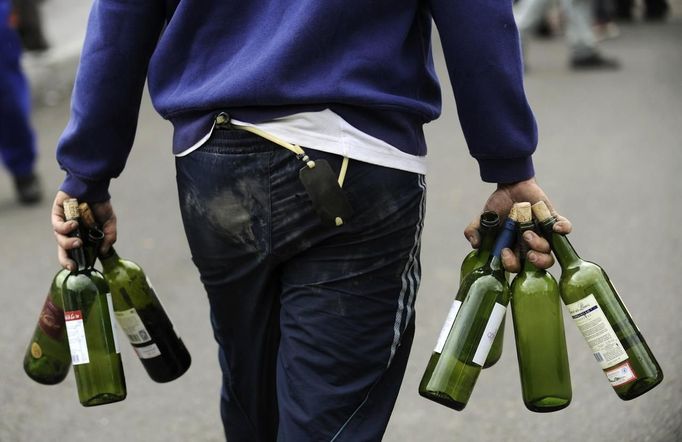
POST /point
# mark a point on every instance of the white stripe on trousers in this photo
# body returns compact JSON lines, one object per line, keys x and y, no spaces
{"x":411,"y":277}
{"x":410,"y":281}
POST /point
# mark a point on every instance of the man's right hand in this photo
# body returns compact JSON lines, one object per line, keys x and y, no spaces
{"x":104,"y":214}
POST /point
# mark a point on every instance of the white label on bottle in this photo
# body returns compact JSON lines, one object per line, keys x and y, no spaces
{"x":147,"y":352}
{"x":597,"y":330}
{"x":621,"y":374}
{"x":76,"y":335}
{"x":447,"y":326}
{"x":496,"y":317}
{"x":114,"y":324}
{"x":133,"y":327}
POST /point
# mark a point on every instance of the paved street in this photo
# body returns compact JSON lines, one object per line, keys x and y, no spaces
{"x":609,"y":157}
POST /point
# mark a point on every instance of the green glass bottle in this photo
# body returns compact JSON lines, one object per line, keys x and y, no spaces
{"x":539,"y":332}
{"x":451,"y":379}
{"x":489,"y":226}
{"x":89,"y":317}
{"x":144,"y":320}
{"x":47,"y":360}
{"x":601,"y":317}
{"x":141,"y":315}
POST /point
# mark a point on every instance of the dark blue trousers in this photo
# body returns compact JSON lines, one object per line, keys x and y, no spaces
{"x":314,"y":323}
{"x":17,"y":148}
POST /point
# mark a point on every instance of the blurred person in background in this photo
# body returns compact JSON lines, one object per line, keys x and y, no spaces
{"x":314,"y":321}
{"x":654,"y":10}
{"x":604,"y":25}
{"x":17,"y":140}
{"x":580,"y":36}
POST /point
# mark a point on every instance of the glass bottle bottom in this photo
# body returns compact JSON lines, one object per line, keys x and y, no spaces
{"x":443,"y":399}
{"x":548,"y":404}
{"x":102,"y":399}
{"x":638,"y":388}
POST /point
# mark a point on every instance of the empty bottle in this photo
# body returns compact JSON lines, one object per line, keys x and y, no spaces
{"x":539,"y":331}
{"x":141,"y":315}
{"x":601,"y":317}
{"x":489,"y":226}
{"x":485,"y":294}
{"x":47,"y":359}
{"x":89,"y":317}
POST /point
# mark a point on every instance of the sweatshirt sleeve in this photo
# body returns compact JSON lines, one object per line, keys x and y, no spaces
{"x":483,"y":55}
{"x":120,"y":39}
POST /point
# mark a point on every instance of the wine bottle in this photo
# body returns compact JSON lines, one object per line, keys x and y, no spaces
{"x":141,"y":315}
{"x":47,"y":360}
{"x":90,"y":323}
{"x":490,"y":223}
{"x":451,"y":378}
{"x":539,"y":331}
{"x":601,"y":317}
{"x":489,"y":226}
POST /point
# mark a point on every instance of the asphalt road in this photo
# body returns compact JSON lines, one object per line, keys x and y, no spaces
{"x":609,"y":157}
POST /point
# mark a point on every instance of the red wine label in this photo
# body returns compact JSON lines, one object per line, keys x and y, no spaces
{"x":76,"y":334}
{"x":621,"y":374}
{"x":51,"y":320}
{"x":132,"y":325}
{"x":447,"y":326}
{"x":491,"y":328}
{"x":597,"y":330}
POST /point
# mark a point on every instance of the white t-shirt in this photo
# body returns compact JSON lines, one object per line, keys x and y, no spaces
{"x":328,"y":132}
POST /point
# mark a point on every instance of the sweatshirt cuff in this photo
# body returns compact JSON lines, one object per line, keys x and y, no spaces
{"x":506,"y":170}
{"x":86,"y":190}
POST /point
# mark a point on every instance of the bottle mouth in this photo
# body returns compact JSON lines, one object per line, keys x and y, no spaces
{"x":95,"y":235}
{"x":490,"y":219}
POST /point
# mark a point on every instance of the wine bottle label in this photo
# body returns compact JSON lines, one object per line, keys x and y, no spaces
{"x":621,"y":374}
{"x":147,"y":352}
{"x":491,"y":328}
{"x":447,"y":326}
{"x":114,"y":324}
{"x":592,"y":323}
{"x":75,"y":332}
{"x":51,"y":320}
{"x":132,"y":325}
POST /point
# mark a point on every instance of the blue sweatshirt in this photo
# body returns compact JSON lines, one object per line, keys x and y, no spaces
{"x":367,"y":60}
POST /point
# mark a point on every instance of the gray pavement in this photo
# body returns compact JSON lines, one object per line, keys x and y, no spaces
{"x":609,"y":157}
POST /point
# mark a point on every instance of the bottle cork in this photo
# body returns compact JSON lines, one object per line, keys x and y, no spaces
{"x":541,"y":211}
{"x":524,"y":214}
{"x":71,"y":209}
{"x":86,"y":215}
{"x":513,"y":214}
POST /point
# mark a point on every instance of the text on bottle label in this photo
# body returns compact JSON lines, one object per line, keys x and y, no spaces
{"x":75,"y":332}
{"x":592,"y":323}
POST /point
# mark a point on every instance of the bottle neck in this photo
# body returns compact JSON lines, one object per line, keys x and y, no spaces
{"x":487,"y":241}
{"x":505,"y":239}
{"x":109,"y":259}
{"x":80,"y":257}
{"x":78,"y":254}
{"x":527,"y":265}
{"x":563,"y":250}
